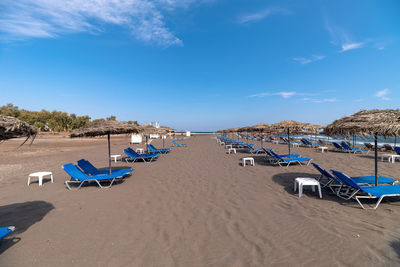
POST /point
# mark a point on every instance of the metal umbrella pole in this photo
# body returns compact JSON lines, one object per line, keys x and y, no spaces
{"x":376,"y":160}
{"x":288,"y":134}
{"x":109,"y":151}
{"x":147,"y":148}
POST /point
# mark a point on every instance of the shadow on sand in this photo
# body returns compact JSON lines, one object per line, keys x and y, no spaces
{"x":286,"y":180}
{"x":22,"y":216}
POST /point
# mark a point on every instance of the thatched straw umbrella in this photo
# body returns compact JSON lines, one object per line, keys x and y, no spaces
{"x":261,"y":127}
{"x":368,"y":122}
{"x":11,"y":127}
{"x":106,"y":128}
{"x":293,"y":127}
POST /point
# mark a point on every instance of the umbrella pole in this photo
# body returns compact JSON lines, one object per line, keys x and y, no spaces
{"x":376,"y":159}
{"x":288,"y":137}
{"x":395,"y":139}
{"x":109,"y":152}
{"x":147,"y":149}
{"x":162,"y":141}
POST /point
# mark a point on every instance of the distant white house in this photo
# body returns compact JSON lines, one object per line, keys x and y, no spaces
{"x":136,"y":138}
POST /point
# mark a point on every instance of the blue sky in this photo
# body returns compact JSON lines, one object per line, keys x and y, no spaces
{"x":201,"y":65}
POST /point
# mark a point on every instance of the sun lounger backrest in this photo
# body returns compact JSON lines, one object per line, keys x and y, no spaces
{"x":336,"y":145}
{"x":397,"y":149}
{"x":345,"y":179}
{"x":345,"y":145}
{"x":74,"y":172}
{"x":128,"y":151}
{"x":276,"y":155}
{"x":87,"y":167}
{"x":324,"y":172}
{"x":151,"y":148}
{"x":388,"y":147}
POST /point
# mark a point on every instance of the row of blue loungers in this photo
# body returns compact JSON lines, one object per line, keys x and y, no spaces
{"x":358,"y":188}
{"x":84,"y":172}
{"x":271,"y":156}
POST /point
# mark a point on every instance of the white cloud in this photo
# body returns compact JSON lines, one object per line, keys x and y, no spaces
{"x":324,"y":100}
{"x":254,"y":17}
{"x":51,"y":18}
{"x":303,"y":60}
{"x":341,"y":38}
{"x":282,"y":94}
{"x":351,"y":46}
{"x":383,"y":94}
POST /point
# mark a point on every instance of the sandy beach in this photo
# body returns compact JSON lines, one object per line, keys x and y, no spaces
{"x":196,"y":206}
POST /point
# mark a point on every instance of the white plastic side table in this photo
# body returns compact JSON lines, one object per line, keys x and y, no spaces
{"x":115,"y":157}
{"x":323,"y":148}
{"x":302,"y":181}
{"x":232,"y":150}
{"x":251,"y":160}
{"x":140,"y":150}
{"x":40,"y":176}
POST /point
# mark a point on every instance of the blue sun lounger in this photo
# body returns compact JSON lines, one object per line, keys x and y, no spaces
{"x":5,"y":231}
{"x":78,"y":177}
{"x":156,"y":150}
{"x":88,"y":168}
{"x":309,"y":144}
{"x":178,"y":144}
{"x":134,"y":156}
{"x":334,"y":182}
{"x":349,"y":149}
{"x":287,"y":161}
{"x":252,"y":149}
{"x":367,"y":192}
{"x":338,"y":147}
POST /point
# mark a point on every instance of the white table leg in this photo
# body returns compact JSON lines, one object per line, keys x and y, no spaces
{"x":319,"y":190}
{"x":40,"y":177}
{"x":300,"y":189}
{"x":29,"y":180}
{"x":51,"y":176}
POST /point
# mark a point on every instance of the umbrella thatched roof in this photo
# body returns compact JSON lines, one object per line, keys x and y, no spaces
{"x":150,"y":129}
{"x":261,"y":127}
{"x":366,"y":122}
{"x":106,"y":127}
{"x":11,"y":127}
{"x":229,"y":130}
{"x":295,"y":127}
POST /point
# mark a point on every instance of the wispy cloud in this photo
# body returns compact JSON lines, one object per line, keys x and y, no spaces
{"x":341,"y":38}
{"x":282,"y":94}
{"x":324,"y":100}
{"x":351,"y":46}
{"x":319,"y":97}
{"x":304,"y":60}
{"x":383,"y":94}
{"x":144,"y":19}
{"x":263,"y":14}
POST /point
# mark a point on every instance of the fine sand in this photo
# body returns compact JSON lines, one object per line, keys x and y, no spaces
{"x":196,"y":206}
